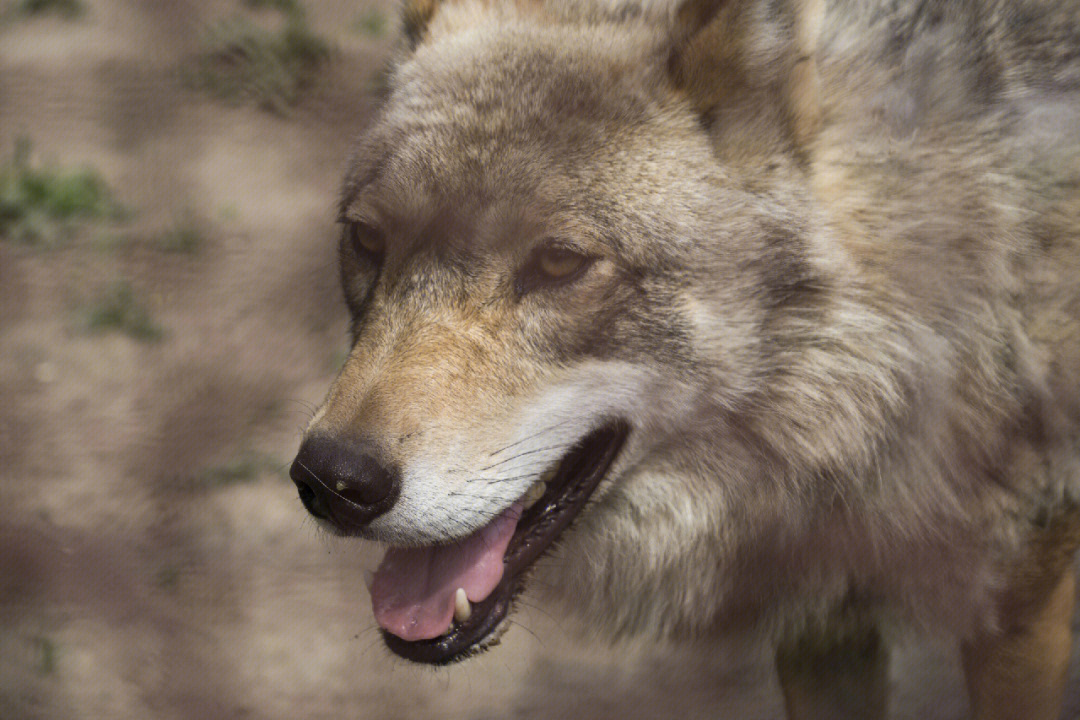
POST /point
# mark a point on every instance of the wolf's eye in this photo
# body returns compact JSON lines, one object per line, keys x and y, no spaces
{"x":551,"y":264}
{"x":365,"y":240}
{"x":556,"y":262}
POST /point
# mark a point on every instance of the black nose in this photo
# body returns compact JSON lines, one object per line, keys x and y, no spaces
{"x":341,"y":482}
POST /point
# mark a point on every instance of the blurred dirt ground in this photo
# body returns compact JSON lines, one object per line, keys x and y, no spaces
{"x":154,"y":559}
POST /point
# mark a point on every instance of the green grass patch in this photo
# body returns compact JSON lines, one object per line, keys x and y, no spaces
{"x":66,"y":8}
{"x":117,"y":309}
{"x":108,"y":240}
{"x":168,"y":578}
{"x":185,"y":235}
{"x":372,"y":23}
{"x":228,"y":213}
{"x":40,"y":205}
{"x":337,"y":360}
{"x":289,"y":7}
{"x":244,"y":468}
{"x":46,"y":652}
{"x":242,"y":62}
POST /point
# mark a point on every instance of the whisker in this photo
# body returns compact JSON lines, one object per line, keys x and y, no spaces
{"x":537,"y":608}
{"x":514,"y":622}
{"x":487,"y":481}
{"x":527,"y":464}
{"x":533,"y":436}
{"x":523,"y":454}
{"x":308,"y":408}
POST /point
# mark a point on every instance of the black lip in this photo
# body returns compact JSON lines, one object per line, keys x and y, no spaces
{"x":579,"y":474}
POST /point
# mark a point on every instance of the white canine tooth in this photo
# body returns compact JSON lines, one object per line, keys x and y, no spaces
{"x":369,"y":579}
{"x":534,"y":493}
{"x":549,"y":475}
{"x":462,"y":609}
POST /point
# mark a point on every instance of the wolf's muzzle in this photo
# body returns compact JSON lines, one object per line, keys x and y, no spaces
{"x":342,"y":482}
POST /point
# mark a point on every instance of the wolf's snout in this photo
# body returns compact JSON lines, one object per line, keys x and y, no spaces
{"x":342,"y":482}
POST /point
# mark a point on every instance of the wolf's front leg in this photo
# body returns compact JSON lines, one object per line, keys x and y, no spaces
{"x":1021,"y":672}
{"x":829,"y":678}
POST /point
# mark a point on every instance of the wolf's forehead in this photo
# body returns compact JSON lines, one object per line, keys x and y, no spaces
{"x":471,"y":161}
{"x":521,"y":124}
{"x":501,"y":94}
{"x":458,"y":141}
{"x":426,"y":177}
{"x":530,"y":71}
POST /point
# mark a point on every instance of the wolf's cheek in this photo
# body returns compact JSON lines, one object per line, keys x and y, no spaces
{"x":651,"y":556}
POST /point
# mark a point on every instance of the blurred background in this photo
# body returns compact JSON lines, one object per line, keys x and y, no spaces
{"x":169,"y":318}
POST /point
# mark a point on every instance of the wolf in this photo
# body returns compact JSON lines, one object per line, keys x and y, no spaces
{"x":701,"y":317}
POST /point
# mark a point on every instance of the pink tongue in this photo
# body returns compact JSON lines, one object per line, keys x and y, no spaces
{"x":413,"y":590}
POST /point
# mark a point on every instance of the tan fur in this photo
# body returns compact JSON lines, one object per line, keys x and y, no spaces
{"x":836,"y":294}
{"x":1020,"y":670}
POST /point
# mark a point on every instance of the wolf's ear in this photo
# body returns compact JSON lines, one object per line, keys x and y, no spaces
{"x":691,"y":18}
{"x":754,"y":60}
{"x":415,"y":16}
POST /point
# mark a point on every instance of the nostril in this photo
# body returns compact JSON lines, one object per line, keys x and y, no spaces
{"x":310,"y":499}
{"x":301,"y":476}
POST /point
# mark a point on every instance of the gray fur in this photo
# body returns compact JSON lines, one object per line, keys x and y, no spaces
{"x":853,"y":301}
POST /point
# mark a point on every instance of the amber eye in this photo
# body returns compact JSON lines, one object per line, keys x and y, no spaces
{"x":552,"y":264}
{"x":557,"y":262}
{"x":365,"y":240}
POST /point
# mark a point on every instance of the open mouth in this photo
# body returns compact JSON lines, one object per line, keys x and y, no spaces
{"x":439,"y":605}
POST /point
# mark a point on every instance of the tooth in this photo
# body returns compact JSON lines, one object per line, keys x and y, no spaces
{"x":534,"y":493}
{"x":369,"y":579}
{"x":462,"y":610}
{"x":550,"y":474}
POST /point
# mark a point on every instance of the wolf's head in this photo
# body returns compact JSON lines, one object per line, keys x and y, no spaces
{"x":556,"y":289}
